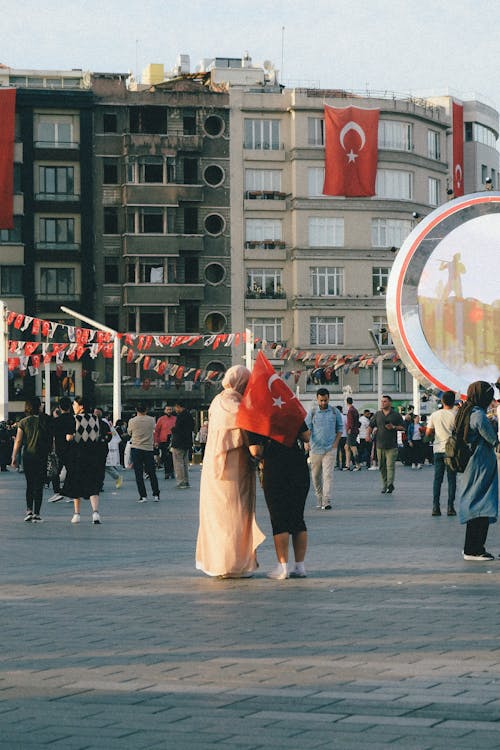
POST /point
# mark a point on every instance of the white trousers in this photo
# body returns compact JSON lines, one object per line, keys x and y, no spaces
{"x":322,"y":468}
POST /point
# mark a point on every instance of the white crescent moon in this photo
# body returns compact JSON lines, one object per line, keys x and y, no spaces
{"x":271,"y":380}
{"x":351,"y":125}
{"x":458,"y":173}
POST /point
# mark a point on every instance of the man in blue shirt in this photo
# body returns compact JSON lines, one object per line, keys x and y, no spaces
{"x":325,"y":424}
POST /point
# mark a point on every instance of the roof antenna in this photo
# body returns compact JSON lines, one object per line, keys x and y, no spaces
{"x":282,"y":53}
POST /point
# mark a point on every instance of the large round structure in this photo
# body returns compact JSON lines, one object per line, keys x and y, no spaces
{"x":443,"y":295}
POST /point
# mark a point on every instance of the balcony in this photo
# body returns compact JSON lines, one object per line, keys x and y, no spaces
{"x":265,"y":244}
{"x":59,"y":197}
{"x":162,"y":294}
{"x":258,"y":300}
{"x":57,"y":246}
{"x":157,"y":194}
{"x":147,"y":144}
{"x":60,"y":145}
{"x":265,"y":195}
{"x":161,"y":244}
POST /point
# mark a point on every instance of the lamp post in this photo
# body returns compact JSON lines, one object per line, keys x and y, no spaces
{"x":380,"y":365}
{"x":117,"y":375}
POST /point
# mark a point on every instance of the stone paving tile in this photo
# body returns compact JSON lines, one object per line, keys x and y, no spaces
{"x":120,"y":633}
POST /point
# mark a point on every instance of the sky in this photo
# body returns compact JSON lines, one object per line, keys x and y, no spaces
{"x":407,"y":47}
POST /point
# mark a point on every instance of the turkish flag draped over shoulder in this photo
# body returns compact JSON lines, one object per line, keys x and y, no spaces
{"x":7,"y":121}
{"x":351,"y":151}
{"x":268,"y":406}
{"x":458,"y":149}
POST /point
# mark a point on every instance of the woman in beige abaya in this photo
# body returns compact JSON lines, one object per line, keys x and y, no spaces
{"x":228,"y":534}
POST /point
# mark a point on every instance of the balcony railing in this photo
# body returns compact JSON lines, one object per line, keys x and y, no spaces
{"x":57,"y":246}
{"x":267,"y":195}
{"x":57,"y":197}
{"x":259,"y":294}
{"x":265,"y":244}
{"x":57,"y":144}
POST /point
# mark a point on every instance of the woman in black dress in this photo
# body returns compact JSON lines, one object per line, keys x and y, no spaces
{"x":285,"y":481}
{"x":86,"y":459}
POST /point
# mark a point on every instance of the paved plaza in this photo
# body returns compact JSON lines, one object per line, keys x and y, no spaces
{"x":110,"y":638}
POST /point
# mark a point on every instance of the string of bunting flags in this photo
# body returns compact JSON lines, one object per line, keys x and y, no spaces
{"x":29,"y":355}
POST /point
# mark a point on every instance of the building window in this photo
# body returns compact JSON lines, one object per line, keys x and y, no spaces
{"x":151,"y":272}
{"x":151,"y":120}
{"x":315,"y":131}
{"x":215,"y":273}
{"x":191,"y":318}
{"x":190,"y":219}
{"x":480,"y":133}
{"x":380,"y":278}
{"x":327,"y":330}
{"x":266,"y":329}
{"x":190,"y":169}
{"x":493,"y":179}
{"x":262,"y":134}
{"x":433,"y":144}
{"x":315,"y":182}
{"x":110,"y":172}
{"x":214,"y":224}
{"x":110,"y":221}
{"x":263,"y":230}
{"x":110,"y":122}
{"x":112,"y":318}
{"x":394,"y":183}
{"x":326,"y":231}
{"x":213,"y":175}
{"x":484,"y":173}
{"x":433,"y":191}
{"x":12,"y":235}
{"x":56,"y":182}
{"x":148,"y":169}
{"x":148,"y":220}
{"x":11,"y":280}
{"x":152,"y":319}
{"x":57,"y":281}
{"x":111,"y":271}
{"x":263,"y":179}
{"x":55,"y":131}
{"x":214,"y":126}
{"x":264,"y":282}
{"x":381,"y":331}
{"x":215,"y":322}
{"x":394,"y":135}
{"x":57,"y":232}
{"x":390,"y":232}
{"x":189,"y":123}
{"x":327,"y":281}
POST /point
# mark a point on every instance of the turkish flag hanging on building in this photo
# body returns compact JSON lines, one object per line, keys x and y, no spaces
{"x":268,"y":406}
{"x":351,"y":151}
{"x":458,"y":149}
{"x":7,"y":123}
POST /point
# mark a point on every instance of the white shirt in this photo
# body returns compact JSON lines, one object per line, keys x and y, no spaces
{"x":364,"y":424}
{"x":442,"y":422}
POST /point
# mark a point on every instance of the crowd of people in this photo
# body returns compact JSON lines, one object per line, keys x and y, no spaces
{"x":77,"y":445}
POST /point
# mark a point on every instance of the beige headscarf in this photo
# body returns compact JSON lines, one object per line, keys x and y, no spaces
{"x":222,"y":431}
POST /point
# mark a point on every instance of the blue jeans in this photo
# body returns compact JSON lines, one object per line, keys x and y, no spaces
{"x":144,"y":461}
{"x":439,"y":469}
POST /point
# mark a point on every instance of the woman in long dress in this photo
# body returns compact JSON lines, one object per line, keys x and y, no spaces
{"x":228,"y":534}
{"x":478,"y":485}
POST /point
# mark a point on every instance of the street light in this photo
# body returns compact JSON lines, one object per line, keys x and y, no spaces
{"x":117,"y":375}
{"x":380,"y":364}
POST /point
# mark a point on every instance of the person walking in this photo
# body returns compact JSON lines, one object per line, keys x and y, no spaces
{"x":113,"y":457}
{"x":352,"y":432}
{"x":34,"y":435}
{"x":415,"y":443}
{"x":85,"y":459}
{"x":63,"y":425}
{"x":228,"y":534}
{"x":182,"y":443}
{"x":439,"y":428}
{"x":478,"y":485}
{"x":325,"y":425}
{"x":162,"y":439}
{"x":141,"y":430}
{"x":387,"y":422}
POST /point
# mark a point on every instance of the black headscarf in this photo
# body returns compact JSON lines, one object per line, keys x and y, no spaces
{"x":480,"y":393}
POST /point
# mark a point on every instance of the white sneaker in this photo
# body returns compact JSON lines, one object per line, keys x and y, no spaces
{"x":296,"y":573}
{"x":76,"y":518}
{"x":156,"y":498}
{"x":278,"y":574}
{"x":96,"y":518}
{"x":373,"y":468}
{"x":55,"y":498}
{"x":142,"y":500}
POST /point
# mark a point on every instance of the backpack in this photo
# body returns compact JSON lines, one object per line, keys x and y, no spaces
{"x":457,"y":452}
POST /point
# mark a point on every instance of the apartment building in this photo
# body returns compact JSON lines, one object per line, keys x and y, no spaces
{"x":47,"y":259}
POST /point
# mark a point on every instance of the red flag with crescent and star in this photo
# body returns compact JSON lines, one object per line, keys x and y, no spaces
{"x":458,"y":149}
{"x":351,"y":151}
{"x":268,"y":406}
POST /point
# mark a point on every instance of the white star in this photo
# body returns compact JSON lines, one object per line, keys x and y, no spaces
{"x":278,"y":402}
{"x":351,"y":156}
